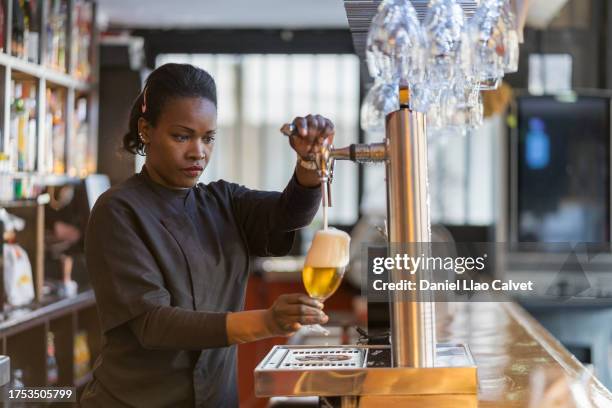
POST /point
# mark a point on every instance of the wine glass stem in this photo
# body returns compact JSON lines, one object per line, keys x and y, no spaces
{"x":317,"y":328}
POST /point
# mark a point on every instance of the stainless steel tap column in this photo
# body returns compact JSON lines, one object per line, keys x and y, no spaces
{"x":413,"y":339}
{"x":415,"y":371}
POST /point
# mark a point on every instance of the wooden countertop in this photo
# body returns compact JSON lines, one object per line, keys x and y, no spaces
{"x":508,"y":346}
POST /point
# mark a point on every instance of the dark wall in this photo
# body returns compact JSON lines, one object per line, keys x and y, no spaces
{"x":119,"y":87}
{"x":244,"y":41}
{"x":581,"y":30}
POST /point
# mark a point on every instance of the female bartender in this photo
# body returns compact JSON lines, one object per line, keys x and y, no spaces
{"x":169,"y":258}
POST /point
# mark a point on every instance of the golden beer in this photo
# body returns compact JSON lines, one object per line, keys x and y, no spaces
{"x":321,"y":283}
{"x":325,"y":263}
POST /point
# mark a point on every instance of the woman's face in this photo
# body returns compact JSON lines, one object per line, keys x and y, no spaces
{"x":179,"y":146}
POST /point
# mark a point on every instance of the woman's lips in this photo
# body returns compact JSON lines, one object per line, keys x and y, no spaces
{"x":193,"y":171}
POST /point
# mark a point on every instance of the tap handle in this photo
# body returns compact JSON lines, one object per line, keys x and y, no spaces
{"x":322,"y":159}
{"x":288,"y":129}
{"x":325,"y":164}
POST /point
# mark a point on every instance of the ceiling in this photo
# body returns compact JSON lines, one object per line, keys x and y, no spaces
{"x":222,"y":14}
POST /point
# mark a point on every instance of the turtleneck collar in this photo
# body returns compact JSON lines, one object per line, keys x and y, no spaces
{"x":165,"y":192}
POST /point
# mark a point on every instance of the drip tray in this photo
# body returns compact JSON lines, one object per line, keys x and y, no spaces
{"x":361,"y":370}
{"x":291,"y":358}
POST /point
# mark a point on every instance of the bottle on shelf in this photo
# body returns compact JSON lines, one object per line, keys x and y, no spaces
{"x":17,"y":268}
{"x":2,"y":25}
{"x":52,"y":368}
{"x":23,"y":138}
{"x":29,"y":96}
{"x":56,"y":35}
{"x":48,"y":45}
{"x":82,"y":356}
{"x":81,"y":132}
{"x":16,"y":136}
{"x":23,"y":4}
{"x":32,"y":33}
{"x":55,"y":131}
{"x":19,"y":28}
{"x":16,"y":383}
{"x":81,"y":43}
{"x":17,"y":379}
{"x":62,"y":42}
{"x":7,"y":192}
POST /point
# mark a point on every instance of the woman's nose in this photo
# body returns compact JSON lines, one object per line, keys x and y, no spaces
{"x":197,"y":151}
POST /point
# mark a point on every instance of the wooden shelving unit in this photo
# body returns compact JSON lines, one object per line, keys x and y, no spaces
{"x":23,"y":338}
{"x":43,"y":77}
{"x":23,"y":333}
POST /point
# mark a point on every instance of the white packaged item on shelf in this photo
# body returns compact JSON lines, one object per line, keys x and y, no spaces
{"x":18,"y":282}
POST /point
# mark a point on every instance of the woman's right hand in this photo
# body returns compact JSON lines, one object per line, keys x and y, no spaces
{"x":289,"y":312}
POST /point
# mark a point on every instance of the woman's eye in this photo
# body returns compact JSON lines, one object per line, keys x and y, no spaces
{"x":181,"y":138}
{"x":208,"y":139}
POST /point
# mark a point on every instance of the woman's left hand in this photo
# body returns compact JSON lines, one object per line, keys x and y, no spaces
{"x":310,"y":134}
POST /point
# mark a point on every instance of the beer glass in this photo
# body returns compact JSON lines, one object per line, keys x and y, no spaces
{"x":324,"y":266}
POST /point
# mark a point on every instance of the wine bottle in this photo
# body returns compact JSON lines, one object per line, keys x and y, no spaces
{"x":52,"y":368}
{"x":18,"y":30}
{"x":33,"y":31}
{"x":2,"y":22}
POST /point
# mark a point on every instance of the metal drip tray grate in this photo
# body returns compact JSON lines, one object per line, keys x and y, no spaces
{"x":361,"y":370}
{"x":315,"y":358}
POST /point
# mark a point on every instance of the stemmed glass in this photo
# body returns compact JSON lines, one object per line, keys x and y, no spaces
{"x":443,"y":25}
{"x":507,"y":26}
{"x":324,"y":267}
{"x":487,"y":40}
{"x":395,"y":44}
{"x":380,"y":100}
{"x":445,"y":62}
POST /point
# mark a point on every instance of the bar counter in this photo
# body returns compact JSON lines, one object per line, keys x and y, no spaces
{"x":508,"y":346}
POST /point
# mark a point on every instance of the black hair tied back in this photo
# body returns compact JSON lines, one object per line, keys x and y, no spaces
{"x":165,"y":83}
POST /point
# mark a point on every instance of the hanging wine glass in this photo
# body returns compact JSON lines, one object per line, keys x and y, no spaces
{"x":487,"y":41}
{"x":423,"y":96}
{"x":442,"y":26}
{"x":445,"y":62}
{"x":410,"y":45}
{"x":475,"y":111}
{"x":434,"y":118}
{"x":380,"y":100}
{"x":464,"y":61}
{"x":395,"y":44}
{"x":507,"y":26}
{"x":378,"y":56}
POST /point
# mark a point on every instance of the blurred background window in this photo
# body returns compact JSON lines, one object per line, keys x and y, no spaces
{"x":256,"y":94}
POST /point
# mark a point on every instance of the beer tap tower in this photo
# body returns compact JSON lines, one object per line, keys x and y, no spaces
{"x":404,"y":152}
{"x":419,"y":366}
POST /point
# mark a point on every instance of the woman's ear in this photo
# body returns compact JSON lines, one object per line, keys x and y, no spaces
{"x":144,"y":130}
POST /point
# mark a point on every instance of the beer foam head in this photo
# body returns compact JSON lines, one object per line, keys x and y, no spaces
{"x":329,"y":249}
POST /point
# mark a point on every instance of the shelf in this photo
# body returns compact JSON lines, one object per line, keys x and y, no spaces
{"x":55,"y":179}
{"x":38,"y":314}
{"x":18,"y":204}
{"x":54,"y":126}
{"x":42,"y":72}
{"x":47,"y":179}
